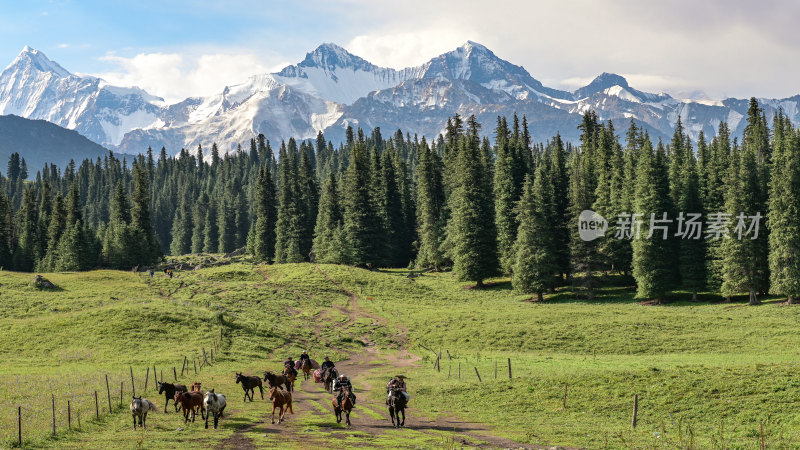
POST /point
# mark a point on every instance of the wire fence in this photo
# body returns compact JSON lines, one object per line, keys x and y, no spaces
{"x":35,"y":407}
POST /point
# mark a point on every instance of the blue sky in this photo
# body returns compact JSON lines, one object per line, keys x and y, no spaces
{"x":180,"y":48}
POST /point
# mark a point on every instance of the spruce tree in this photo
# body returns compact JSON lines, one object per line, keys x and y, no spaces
{"x":289,"y":226}
{"x":653,"y":269}
{"x":743,"y":261}
{"x":692,"y":246}
{"x":784,"y":210}
{"x":471,"y":232}
{"x":5,"y":231}
{"x":328,"y":233}
{"x":27,"y":232}
{"x":148,"y":249}
{"x":211,"y":228}
{"x":263,"y":241}
{"x":430,"y":206}
{"x":506,"y":195}
{"x":534,"y":264}
{"x":199,"y":213}
{"x":361,"y":223}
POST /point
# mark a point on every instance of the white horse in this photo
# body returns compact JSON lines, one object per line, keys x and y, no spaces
{"x":139,"y":408}
{"x":214,"y":404}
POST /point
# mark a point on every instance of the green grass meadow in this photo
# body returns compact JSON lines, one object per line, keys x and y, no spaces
{"x":707,"y":375}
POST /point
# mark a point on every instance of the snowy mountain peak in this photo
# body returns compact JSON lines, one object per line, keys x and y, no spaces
{"x":30,"y":58}
{"x":329,"y":56}
{"x":602,"y":82}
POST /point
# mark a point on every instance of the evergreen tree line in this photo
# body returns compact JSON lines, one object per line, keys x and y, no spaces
{"x":463,"y":202}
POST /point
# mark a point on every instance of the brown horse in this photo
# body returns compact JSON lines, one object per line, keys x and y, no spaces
{"x":196,"y":387}
{"x":249,"y":384}
{"x":305,"y":366}
{"x":190,"y":401}
{"x":275,"y":381}
{"x":169,"y":390}
{"x":330,"y":376}
{"x":281,"y":400}
{"x":290,"y":377}
{"x":345,"y":407}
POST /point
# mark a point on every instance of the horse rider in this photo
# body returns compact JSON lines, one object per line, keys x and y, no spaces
{"x":289,"y":364}
{"x":340,"y":383}
{"x":326,"y":366}
{"x":304,"y":357}
{"x":397,"y":383}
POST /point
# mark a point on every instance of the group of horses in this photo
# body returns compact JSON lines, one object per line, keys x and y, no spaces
{"x":210,"y":404}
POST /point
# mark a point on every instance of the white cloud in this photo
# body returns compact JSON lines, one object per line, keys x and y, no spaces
{"x":406,"y":49}
{"x":175,"y":76}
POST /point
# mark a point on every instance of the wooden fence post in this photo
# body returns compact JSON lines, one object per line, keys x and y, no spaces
{"x":184,"y":365}
{"x":212,"y":356}
{"x":175,"y":373}
{"x":205,"y":360}
{"x":162,"y":376}
{"x":53,"y":398}
{"x":565,"y":395}
{"x":96,"y":405}
{"x":133,"y":385}
{"x":146,"y":378}
{"x":194,"y":361}
{"x":476,"y":373}
{"x":459,"y":370}
{"x":108,"y":391}
{"x":635,"y":409}
{"x":69,"y":415}
{"x":155,"y":376}
{"x":763,"y":447}
{"x":19,"y":424}
{"x":495,"y":370}
{"x":509,"y":368}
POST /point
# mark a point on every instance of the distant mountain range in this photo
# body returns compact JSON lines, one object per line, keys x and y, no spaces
{"x":332,"y":88}
{"x":40,"y":142}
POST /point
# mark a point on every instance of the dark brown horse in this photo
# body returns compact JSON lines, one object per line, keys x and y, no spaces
{"x":290,"y":377}
{"x":275,"y":381}
{"x":305,"y":366}
{"x":169,"y":390}
{"x":249,"y":384}
{"x":345,"y":407}
{"x":330,"y":376}
{"x":397,"y":406}
{"x":281,"y":400}
{"x":190,"y":402}
{"x":196,"y":387}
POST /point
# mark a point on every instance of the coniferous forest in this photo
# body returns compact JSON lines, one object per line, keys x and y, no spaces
{"x":462,"y":202}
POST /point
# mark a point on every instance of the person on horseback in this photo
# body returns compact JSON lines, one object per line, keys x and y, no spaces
{"x":289,"y":365}
{"x":304,"y":357}
{"x":326,"y":366}
{"x":397,"y":383}
{"x":340,"y":383}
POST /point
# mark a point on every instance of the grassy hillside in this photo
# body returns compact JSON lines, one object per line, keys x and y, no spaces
{"x":707,"y":375}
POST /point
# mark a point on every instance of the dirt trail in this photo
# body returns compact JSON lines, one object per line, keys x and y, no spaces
{"x":308,"y":397}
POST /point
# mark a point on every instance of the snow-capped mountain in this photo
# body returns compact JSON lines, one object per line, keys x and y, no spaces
{"x":34,"y":87}
{"x":331,"y":89}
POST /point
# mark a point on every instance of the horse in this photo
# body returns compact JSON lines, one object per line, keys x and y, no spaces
{"x":196,"y":387}
{"x":276,"y":380}
{"x":139,"y":408}
{"x":281,"y":400}
{"x":249,"y":384}
{"x":190,"y":402}
{"x":290,"y":377}
{"x":214,"y":404}
{"x":397,"y":405}
{"x":169,"y":390}
{"x":305,"y":366}
{"x":345,"y":407}
{"x":330,"y":376}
